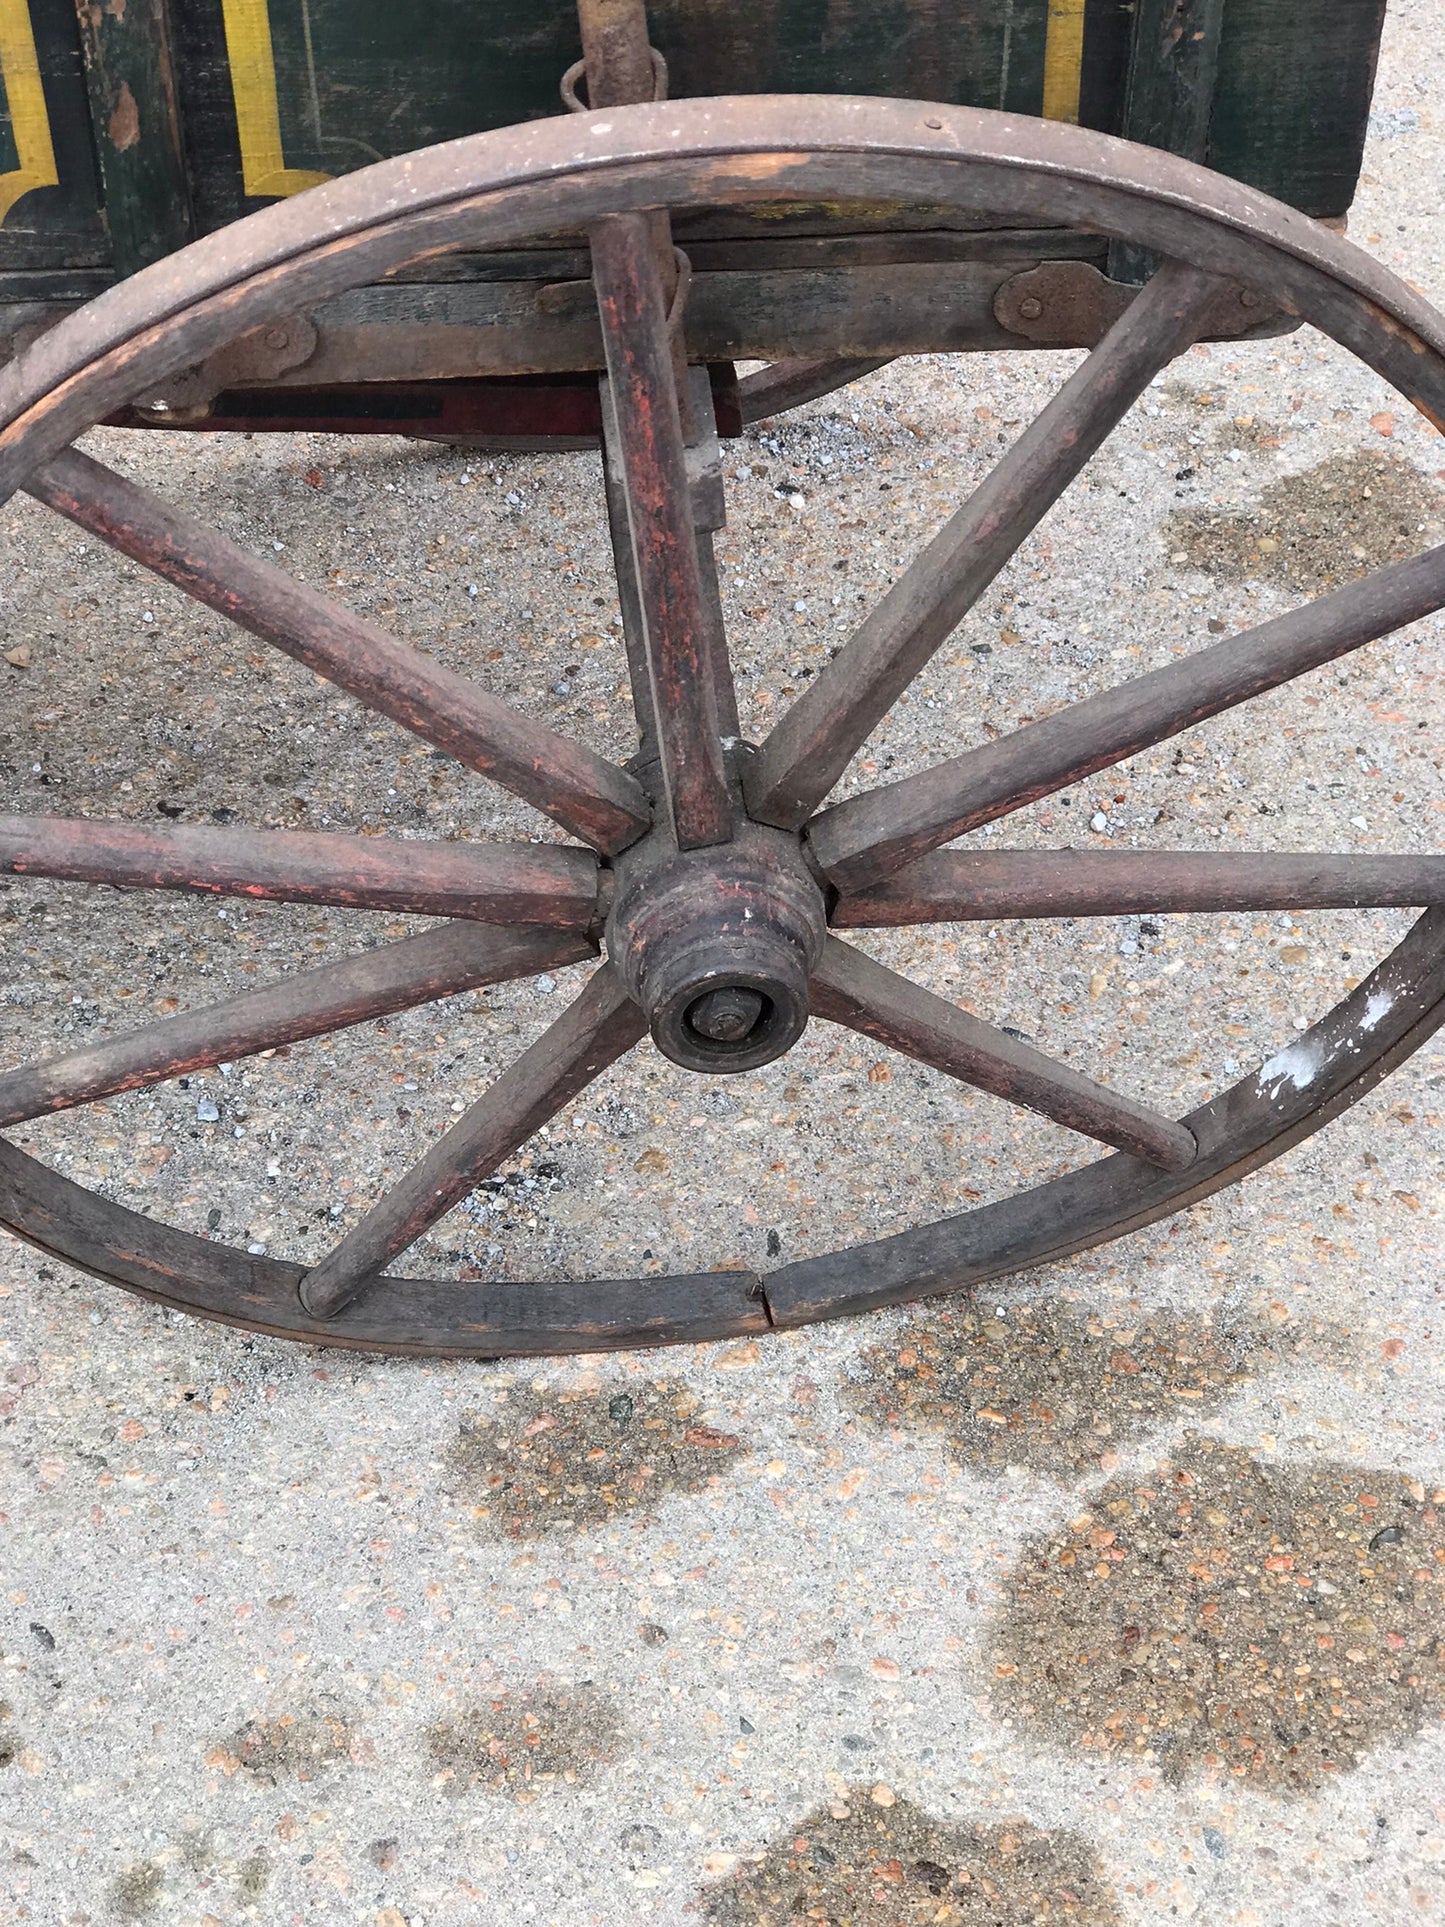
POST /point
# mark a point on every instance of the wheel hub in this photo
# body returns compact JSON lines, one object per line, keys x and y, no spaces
{"x":717,"y":945}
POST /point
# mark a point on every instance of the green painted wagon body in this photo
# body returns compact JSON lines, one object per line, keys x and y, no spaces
{"x":129,"y":127}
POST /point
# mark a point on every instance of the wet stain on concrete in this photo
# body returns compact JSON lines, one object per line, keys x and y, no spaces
{"x":253,"y":1876}
{"x":525,"y":1742}
{"x":300,"y":1744}
{"x":859,"y":1863}
{"x":559,"y":1460}
{"x":1056,"y":1386}
{"x":1271,"y":1622}
{"x":136,"y":1890}
{"x":1319,"y":529}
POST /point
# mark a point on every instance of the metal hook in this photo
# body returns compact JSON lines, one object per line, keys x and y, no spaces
{"x":573,"y":101}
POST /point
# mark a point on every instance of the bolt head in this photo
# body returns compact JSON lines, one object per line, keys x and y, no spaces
{"x":1031,"y":307}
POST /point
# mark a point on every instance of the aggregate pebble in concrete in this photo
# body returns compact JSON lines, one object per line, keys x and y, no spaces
{"x":873,"y":1860}
{"x":1060,"y":1389}
{"x":1272,"y":1623}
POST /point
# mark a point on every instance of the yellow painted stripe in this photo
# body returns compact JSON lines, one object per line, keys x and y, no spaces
{"x":1063,"y":59}
{"x":258,"y":114}
{"x":29,"y":122}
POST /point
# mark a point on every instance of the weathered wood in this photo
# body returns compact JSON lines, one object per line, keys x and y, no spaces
{"x":139,"y":141}
{"x":849,"y":988}
{"x":1292,"y":97}
{"x":616,"y":52}
{"x":704,"y":468}
{"x":653,"y":467}
{"x":579,"y":789}
{"x":861,"y":842}
{"x":806,"y":753}
{"x":492,"y":882}
{"x":601,"y":1026}
{"x":696,"y":153}
{"x":457,"y":330}
{"x":313,"y":1003}
{"x":301,"y":92}
{"x":986,"y":886}
{"x":1396,"y":1010}
{"x":417,"y":1317}
{"x":1169,"y":94}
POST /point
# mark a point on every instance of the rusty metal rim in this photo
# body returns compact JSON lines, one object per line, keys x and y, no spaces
{"x":1245,"y":1127}
{"x":483,"y":191}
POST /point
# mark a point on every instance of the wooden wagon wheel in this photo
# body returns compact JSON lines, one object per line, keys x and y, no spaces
{"x":722,"y":868}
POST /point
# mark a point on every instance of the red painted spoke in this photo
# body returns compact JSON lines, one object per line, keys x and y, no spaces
{"x":651,"y":458}
{"x":849,"y":988}
{"x":439,"y":963}
{"x":493,"y":882}
{"x":592,"y":798}
{"x":972,"y":886}
{"x":810,"y":748}
{"x":863,"y":841}
{"x":601,"y":1026}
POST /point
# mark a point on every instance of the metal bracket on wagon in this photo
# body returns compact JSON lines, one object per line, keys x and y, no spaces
{"x":1070,"y":304}
{"x":248,"y":362}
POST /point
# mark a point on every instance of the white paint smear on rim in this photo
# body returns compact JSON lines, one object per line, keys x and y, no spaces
{"x":1298,"y":1065}
{"x":1378,"y":1008}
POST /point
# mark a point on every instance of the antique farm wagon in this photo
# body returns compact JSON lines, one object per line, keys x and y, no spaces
{"x":520,"y":226}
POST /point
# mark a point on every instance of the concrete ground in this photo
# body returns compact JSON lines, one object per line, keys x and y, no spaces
{"x":1115,"y":1596}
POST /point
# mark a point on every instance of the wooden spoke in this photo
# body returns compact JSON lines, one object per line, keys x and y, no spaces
{"x":589,"y":796}
{"x":493,"y":882}
{"x":651,"y":459}
{"x":971,"y":886}
{"x":601,"y":1026}
{"x":812,"y":745}
{"x":704,"y":464}
{"x":439,"y":963}
{"x":849,"y":988}
{"x":861,"y":842}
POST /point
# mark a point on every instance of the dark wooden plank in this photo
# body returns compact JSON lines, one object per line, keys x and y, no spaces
{"x":808,"y":750}
{"x":582,"y":791}
{"x":492,"y":882}
{"x":313,"y":1003}
{"x":1174,"y":59}
{"x":455,"y":330}
{"x":601,"y":1026}
{"x":861,"y":842}
{"x":50,"y":201}
{"x":1292,"y":98}
{"x":643,"y":403}
{"x":131,"y":75}
{"x":849,"y":988}
{"x":984,"y":886}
